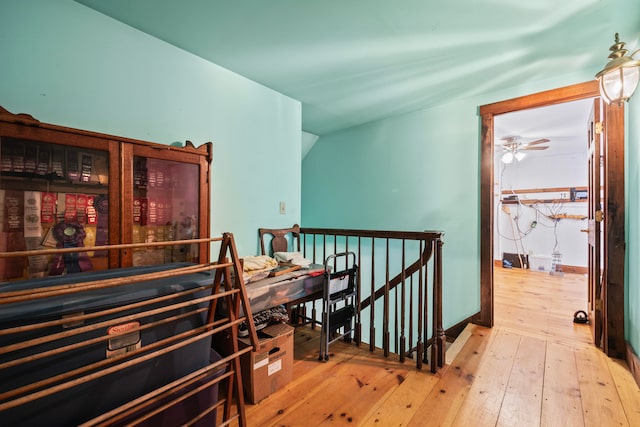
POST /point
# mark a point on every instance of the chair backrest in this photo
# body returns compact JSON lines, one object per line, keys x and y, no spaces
{"x":279,"y":242}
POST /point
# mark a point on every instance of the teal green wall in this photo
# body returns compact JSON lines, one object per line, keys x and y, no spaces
{"x":421,"y":171}
{"x":66,"y":64}
{"x":404,"y":173}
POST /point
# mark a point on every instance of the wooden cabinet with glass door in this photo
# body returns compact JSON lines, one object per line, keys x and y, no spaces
{"x":71,"y":188}
{"x":170,"y":196}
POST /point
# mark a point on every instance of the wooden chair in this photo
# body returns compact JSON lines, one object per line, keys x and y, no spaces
{"x":288,"y":240}
{"x":279,"y":242}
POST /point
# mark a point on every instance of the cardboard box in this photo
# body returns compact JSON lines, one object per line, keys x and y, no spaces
{"x":270,"y":367}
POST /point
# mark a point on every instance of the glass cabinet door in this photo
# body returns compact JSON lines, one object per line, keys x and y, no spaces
{"x":52,"y":196}
{"x":165,"y":208}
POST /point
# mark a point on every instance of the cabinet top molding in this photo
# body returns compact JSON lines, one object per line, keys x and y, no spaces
{"x":6,"y":116}
{"x":22,"y":118}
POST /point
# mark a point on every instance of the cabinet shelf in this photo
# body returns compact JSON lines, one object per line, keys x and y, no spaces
{"x":33,"y":182}
{"x":573,"y":195}
{"x":540,"y":201}
{"x":545,"y":190}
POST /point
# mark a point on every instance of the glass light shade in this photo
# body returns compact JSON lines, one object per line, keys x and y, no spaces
{"x":619,"y":78}
{"x":619,"y":84}
{"x":507,"y":157}
{"x":510,"y":156}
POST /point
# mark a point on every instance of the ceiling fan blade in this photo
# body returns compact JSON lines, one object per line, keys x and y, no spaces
{"x":540,"y":147}
{"x":538,"y":141}
{"x":512,"y":139}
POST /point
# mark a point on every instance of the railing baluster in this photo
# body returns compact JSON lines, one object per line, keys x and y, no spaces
{"x":324,"y":248}
{"x":396,"y":307}
{"x":314,"y":248}
{"x":385,"y":319}
{"x":335,"y":260}
{"x":358,"y":331}
{"x":372,"y":306}
{"x":425,"y":357}
{"x":346,"y":249}
{"x":403,"y":344}
{"x":410,"y":349}
{"x":414,"y":314}
{"x":419,"y":344}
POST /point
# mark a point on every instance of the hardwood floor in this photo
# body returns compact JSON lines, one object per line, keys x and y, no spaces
{"x":541,"y":304}
{"x":534,"y":368}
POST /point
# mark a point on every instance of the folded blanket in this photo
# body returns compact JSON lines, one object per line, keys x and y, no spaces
{"x":294,"y":258}
{"x":257,"y":267}
{"x":259,"y":262}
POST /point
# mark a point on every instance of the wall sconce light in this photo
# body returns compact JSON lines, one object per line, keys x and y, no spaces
{"x":619,"y":78}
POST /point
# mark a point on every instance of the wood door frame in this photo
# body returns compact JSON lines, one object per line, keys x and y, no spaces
{"x":613,"y":296}
{"x":595,"y":145}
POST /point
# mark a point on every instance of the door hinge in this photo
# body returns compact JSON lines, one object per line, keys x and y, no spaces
{"x":598,"y":304}
{"x":599,"y":215}
{"x":598,"y":128}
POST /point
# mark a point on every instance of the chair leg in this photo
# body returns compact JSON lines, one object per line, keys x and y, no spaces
{"x":290,"y":313}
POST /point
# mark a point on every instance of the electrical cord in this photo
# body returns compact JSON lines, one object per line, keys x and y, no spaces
{"x":548,"y":219}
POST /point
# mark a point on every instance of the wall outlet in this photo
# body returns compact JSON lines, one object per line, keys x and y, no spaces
{"x":283,"y":208}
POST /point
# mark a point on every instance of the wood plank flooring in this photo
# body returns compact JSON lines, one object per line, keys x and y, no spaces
{"x":534,"y":368}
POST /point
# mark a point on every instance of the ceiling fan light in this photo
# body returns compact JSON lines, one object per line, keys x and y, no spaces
{"x":619,"y":78}
{"x":507,"y":157}
{"x":520,"y":155}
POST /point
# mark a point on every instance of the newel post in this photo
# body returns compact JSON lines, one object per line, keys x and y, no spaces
{"x":439,"y":338}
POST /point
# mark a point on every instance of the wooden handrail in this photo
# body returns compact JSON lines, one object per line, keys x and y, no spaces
{"x":390,"y":234}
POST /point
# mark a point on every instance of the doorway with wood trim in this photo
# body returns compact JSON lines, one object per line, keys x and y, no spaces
{"x":611,"y":292}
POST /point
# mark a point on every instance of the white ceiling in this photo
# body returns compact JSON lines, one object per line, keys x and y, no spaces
{"x":565,"y":125}
{"x":351,"y":62}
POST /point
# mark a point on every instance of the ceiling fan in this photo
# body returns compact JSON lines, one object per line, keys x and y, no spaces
{"x":514,"y":148}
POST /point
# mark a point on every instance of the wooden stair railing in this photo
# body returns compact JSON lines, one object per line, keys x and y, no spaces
{"x":407,"y":310}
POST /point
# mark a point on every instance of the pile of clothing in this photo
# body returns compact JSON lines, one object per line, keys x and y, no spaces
{"x":295,"y":258}
{"x":257,"y":267}
{"x":264,"y":318}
